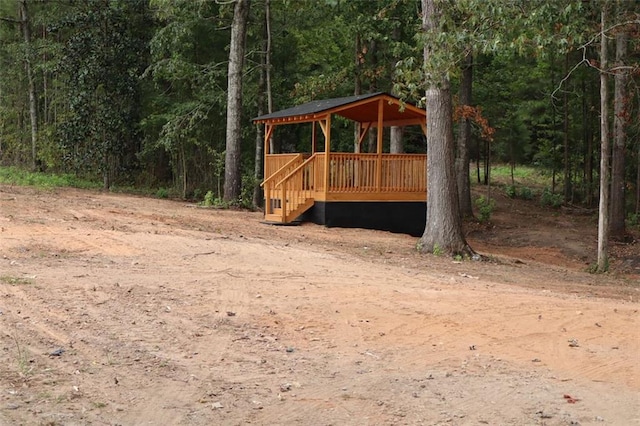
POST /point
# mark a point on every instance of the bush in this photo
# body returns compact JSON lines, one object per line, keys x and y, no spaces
{"x":510,"y":191}
{"x":526,"y":193}
{"x":549,"y":199}
{"x":162,"y":193}
{"x":209,"y":199}
{"x":485,"y":208}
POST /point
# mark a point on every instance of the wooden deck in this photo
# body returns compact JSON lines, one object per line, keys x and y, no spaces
{"x":298,"y":180}
{"x":374,"y":190}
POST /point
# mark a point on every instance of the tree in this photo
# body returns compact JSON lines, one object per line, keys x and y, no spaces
{"x":262,"y":87}
{"x":33,"y":109}
{"x":620,"y":114}
{"x":232,"y":174}
{"x":603,"y":209}
{"x":464,"y":140}
{"x":443,"y":229}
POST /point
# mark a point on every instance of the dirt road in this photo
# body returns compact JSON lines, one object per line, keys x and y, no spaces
{"x":121,"y":310}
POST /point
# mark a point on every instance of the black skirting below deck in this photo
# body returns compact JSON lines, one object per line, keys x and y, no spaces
{"x":403,"y":217}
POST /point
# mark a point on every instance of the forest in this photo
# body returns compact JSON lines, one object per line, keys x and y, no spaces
{"x":161,"y":93}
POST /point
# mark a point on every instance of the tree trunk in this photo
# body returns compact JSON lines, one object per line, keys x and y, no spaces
{"x":397,"y":145}
{"x":603,"y":210}
{"x":620,"y":105}
{"x":357,"y":90}
{"x":257,"y":171}
{"x":396,"y":135}
{"x":565,"y":134}
{"x":232,"y":172}
{"x":273,"y":148}
{"x":33,"y":110}
{"x":443,"y":229}
{"x":464,"y":141}
{"x":372,"y":143}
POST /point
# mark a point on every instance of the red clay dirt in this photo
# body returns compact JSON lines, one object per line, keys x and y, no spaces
{"x":123,"y":310}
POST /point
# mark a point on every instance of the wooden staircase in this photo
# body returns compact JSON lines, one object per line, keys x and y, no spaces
{"x":289,"y":191}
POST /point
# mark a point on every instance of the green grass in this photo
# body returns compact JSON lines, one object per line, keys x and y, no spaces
{"x":21,"y":177}
{"x":11,"y":280}
{"x":523,"y":175}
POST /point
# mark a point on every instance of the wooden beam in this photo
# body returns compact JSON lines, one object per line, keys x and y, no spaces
{"x":363,"y":132}
{"x":404,"y":122}
{"x":267,"y":137}
{"x":313,"y":137}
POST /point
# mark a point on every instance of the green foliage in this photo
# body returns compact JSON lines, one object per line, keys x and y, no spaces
{"x":485,"y":208}
{"x":633,"y":220}
{"x":19,"y":176}
{"x":510,"y":191}
{"x":549,"y":199}
{"x":515,"y":191}
{"x":100,"y":64}
{"x":437,"y":250}
{"x":209,"y":199}
{"x":526,"y":193}
{"x":162,"y":193}
{"x":249,"y":183}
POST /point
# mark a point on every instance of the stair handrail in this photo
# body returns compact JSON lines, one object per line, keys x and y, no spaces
{"x":287,"y":178}
{"x":288,"y":163}
{"x":294,"y":171}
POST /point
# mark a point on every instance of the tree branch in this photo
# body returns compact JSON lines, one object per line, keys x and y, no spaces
{"x":13,"y":21}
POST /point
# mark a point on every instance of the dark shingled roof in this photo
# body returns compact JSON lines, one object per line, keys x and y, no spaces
{"x":315,"y":107}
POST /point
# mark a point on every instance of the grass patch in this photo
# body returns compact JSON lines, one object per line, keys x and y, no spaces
{"x":8,"y":279}
{"x":522,"y":175}
{"x":21,"y":177}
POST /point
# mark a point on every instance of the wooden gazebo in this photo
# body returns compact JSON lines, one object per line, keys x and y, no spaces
{"x":364,"y":190}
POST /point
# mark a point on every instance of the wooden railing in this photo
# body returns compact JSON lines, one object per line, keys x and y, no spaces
{"x":274,"y":162}
{"x":404,"y":173}
{"x":298,"y":188}
{"x":273,"y":194}
{"x":359,"y":173}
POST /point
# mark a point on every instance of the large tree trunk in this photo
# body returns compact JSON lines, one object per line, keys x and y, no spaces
{"x":443,"y":229}
{"x":232,"y":172}
{"x":33,"y":110}
{"x":603,"y":210}
{"x":620,"y":104}
{"x":357,"y":89}
{"x":396,"y":135}
{"x":565,"y":135}
{"x":273,"y":147}
{"x":396,"y":140}
{"x":464,"y":141}
{"x":257,"y":171}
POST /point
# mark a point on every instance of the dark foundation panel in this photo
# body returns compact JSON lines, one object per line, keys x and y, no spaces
{"x":401,"y":217}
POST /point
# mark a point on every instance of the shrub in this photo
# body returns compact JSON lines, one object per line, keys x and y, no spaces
{"x":162,"y":193}
{"x":209,"y":199}
{"x":548,"y":198}
{"x":510,"y":191}
{"x":485,"y":208}
{"x":526,"y":193}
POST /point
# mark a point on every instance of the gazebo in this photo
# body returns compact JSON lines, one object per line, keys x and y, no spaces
{"x":347,"y":189}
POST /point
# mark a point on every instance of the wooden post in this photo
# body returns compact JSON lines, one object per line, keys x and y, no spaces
{"x":267,"y":193}
{"x":380,"y":134}
{"x":327,"y":153}
{"x":313,"y":138}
